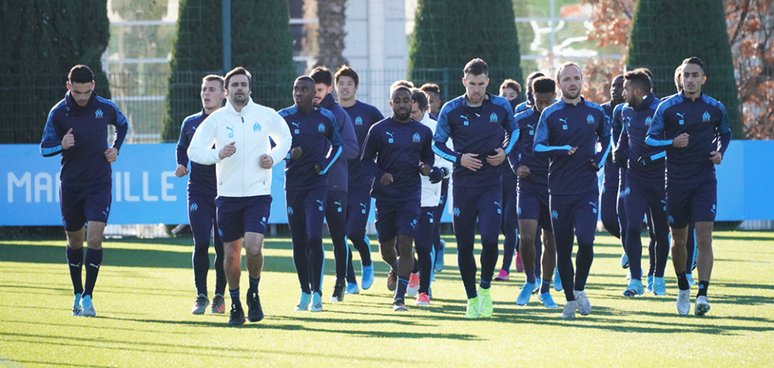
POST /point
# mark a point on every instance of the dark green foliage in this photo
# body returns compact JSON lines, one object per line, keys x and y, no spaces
{"x":42,"y":40}
{"x":260,"y":41}
{"x":449,"y":33}
{"x":665,"y":32}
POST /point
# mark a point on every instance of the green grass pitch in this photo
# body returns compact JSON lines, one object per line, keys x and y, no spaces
{"x":145,"y":291}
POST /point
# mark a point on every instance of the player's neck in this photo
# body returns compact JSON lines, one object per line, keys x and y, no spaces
{"x":399,"y":121}
{"x":306,"y":109}
{"x":573,"y":101}
{"x":210,"y":111}
{"x":470,"y":102}
{"x":347,"y":103}
{"x":692,"y":96}
{"x":238,"y":107}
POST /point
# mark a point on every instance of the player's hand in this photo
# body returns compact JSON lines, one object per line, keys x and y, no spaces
{"x":68,"y":140}
{"x":227,"y":150}
{"x":317,"y":168}
{"x":266,"y":161}
{"x":296,"y":153}
{"x":681,"y":140}
{"x":436,"y":175}
{"x":470,"y":162}
{"x":181,"y":171}
{"x":386,"y":179}
{"x":497,"y":158}
{"x":522,"y":171}
{"x":594,"y":165}
{"x":716,"y":157}
{"x":111,"y":154}
{"x":424,"y":169}
{"x":572,"y":151}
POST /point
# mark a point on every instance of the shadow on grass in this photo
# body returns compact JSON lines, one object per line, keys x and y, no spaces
{"x":208,"y":350}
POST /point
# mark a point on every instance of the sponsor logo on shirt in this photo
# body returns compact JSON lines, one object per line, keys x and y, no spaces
{"x":564,"y":123}
{"x":466,"y":122}
{"x":358,"y":121}
{"x":493,"y":118}
{"x":298,"y":127}
{"x":682,"y":119}
{"x":363,"y":210}
{"x":389,"y":140}
{"x":457,"y":211}
{"x":230,"y":132}
{"x":194,"y":206}
{"x":705,"y":116}
{"x":98,"y":114}
{"x":416,"y":137}
{"x":555,"y":214}
{"x":290,"y":210}
{"x":319,"y":204}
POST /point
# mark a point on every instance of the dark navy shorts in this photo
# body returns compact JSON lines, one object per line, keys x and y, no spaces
{"x":691,"y":202}
{"x":395,"y":217}
{"x":534,"y":206}
{"x":80,"y":205}
{"x":240,"y":215}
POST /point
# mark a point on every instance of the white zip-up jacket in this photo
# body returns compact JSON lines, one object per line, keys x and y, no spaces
{"x":431,"y":193}
{"x":241,"y":174}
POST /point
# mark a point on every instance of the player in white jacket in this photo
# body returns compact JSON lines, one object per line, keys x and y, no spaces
{"x":240,"y":133}
{"x":431,"y":197}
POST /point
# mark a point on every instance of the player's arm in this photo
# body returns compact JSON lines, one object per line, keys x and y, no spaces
{"x":442,"y":134}
{"x":350,"y":147}
{"x":603,"y":138}
{"x":279,"y":133}
{"x":336,"y":148}
{"x":181,"y":152}
{"x":122,"y":127}
{"x":51,"y":143}
{"x":541,"y":146}
{"x":723,"y":131}
{"x":621,"y":152}
{"x":200,"y":149}
{"x":370,"y":151}
{"x":655,"y":136}
{"x":427,"y":156}
{"x":511,"y":126}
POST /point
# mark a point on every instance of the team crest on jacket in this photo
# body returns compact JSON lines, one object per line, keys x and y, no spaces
{"x":647,"y":120}
{"x":705,"y":116}
{"x":590,"y":119}
{"x":321,"y":128}
{"x":416,"y":137}
{"x":98,"y":114}
{"x":493,"y":118}
{"x":359,"y":121}
{"x":256,"y":127}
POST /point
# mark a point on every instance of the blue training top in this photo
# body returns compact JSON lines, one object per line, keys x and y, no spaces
{"x":317,"y":134}
{"x":563,"y":126}
{"x":363,"y":117}
{"x":522,"y":153}
{"x":84,"y":164}
{"x":644,"y":162}
{"x":706,"y":122}
{"x":338,"y":176}
{"x":203,"y":179}
{"x":398,"y":149}
{"x":477,"y":130}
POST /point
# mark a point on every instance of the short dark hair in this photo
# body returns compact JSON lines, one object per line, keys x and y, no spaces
{"x":431,"y":87}
{"x":404,"y":88}
{"x":420,"y":98}
{"x":531,"y":77}
{"x":512,"y":84}
{"x":346,"y":71}
{"x":305,"y":78}
{"x":543,"y":85}
{"x":565,"y":65}
{"x":694,"y":60}
{"x":476,"y":67}
{"x":239,"y":71}
{"x":322,"y":75}
{"x":80,"y":74}
{"x":640,"y":79}
{"x":213,"y":77}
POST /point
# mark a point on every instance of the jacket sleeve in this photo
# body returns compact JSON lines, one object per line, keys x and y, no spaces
{"x":348,"y":137}
{"x":541,"y":146}
{"x":442,"y":134}
{"x":122,"y":127}
{"x":200,"y":150}
{"x":280,"y":135}
{"x":370,"y":147}
{"x":51,"y":144}
{"x":335,"y":151}
{"x":603,"y":138}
